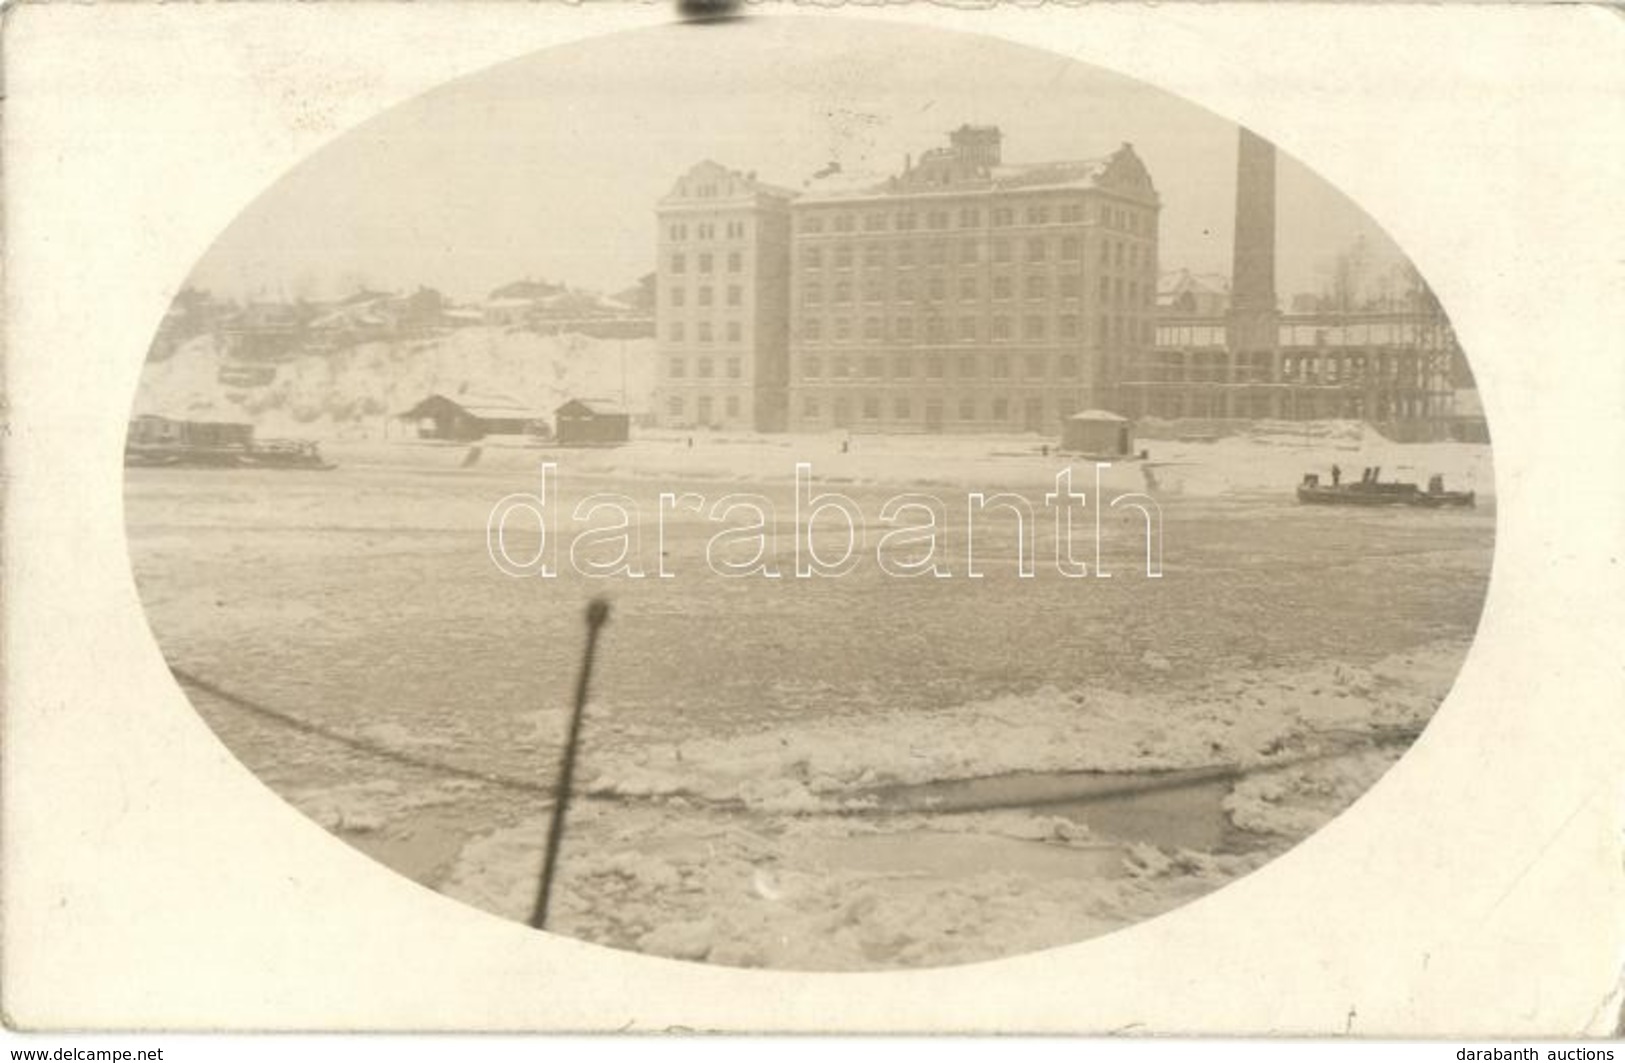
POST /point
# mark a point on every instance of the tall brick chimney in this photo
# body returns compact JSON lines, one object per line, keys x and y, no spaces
{"x":1253,"y":313}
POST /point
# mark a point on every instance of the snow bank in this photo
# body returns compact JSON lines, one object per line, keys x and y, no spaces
{"x":741,"y":897}
{"x":1249,"y":719}
{"x":1274,"y":455}
{"x":1297,"y":801}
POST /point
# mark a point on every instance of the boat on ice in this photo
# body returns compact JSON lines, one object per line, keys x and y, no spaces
{"x":158,"y":442}
{"x":286,"y":454}
{"x":1371,"y":491}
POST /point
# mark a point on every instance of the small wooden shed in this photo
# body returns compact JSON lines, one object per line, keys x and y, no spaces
{"x":591,"y":422}
{"x":1098,"y":433}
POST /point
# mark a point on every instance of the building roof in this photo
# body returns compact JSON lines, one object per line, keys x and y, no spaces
{"x":352,"y":314}
{"x":1077,"y":173}
{"x":1179,"y":281}
{"x":941,"y":172}
{"x":488,"y":410}
{"x":594,"y":407}
{"x":524,"y":291}
{"x":484,"y":407}
{"x":834,"y":180}
{"x":557,"y":302}
{"x":971,"y":165}
{"x":710,"y":182}
{"x":837,"y":185}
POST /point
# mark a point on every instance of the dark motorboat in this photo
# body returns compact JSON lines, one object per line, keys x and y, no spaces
{"x":1362,"y":494}
{"x":1373,"y":492}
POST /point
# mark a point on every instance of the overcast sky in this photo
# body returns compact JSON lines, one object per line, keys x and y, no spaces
{"x":550,"y":166}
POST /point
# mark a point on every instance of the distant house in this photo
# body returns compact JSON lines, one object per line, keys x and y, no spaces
{"x":514,"y":304}
{"x":591,"y":422}
{"x":555,"y":309}
{"x":1097,"y":433}
{"x":470,"y":417}
{"x":641,"y":296}
{"x":266,"y":331}
{"x":462,"y":317}
{"x":1183,"y":293}
{"x":509,"y":310}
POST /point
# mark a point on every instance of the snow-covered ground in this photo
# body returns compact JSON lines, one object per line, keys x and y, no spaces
{"x":1267,"y":458}
{"x":693,"y":878}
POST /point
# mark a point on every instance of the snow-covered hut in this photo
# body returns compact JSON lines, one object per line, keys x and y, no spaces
{"x":1098,"y":433}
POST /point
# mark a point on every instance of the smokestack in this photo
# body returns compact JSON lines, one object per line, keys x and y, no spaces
{"x":1252,"y":278}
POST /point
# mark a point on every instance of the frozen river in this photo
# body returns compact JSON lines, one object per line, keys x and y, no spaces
{"x":734,"y":720}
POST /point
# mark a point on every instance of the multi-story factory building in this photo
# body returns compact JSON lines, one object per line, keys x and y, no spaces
{"x":965,"y":294}
{"x":722,"y":306}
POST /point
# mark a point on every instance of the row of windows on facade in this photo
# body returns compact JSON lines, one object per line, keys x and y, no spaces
{"x":1212,"y":337}
{"x":1034,"y":286}
{"x":874,"y":367}
{"x":1108,"y":329}
{"x":903,"y":408}
{"x":707,"y":230}
{"x":1202,"y":404}
{"x":1114,"y":290}
{"x":1113,"y":254}
{"x":1108,"y":215}
{"x":705,"y":190}
{"x":706,"y":262}
{"x":1116,"y":254}
{"x":705,"y":368}
{"x":1381,"y":362}
{"x":1255,"y":404}
{"x":1217,"y":369}
{"x":1117,"y":329}
{"x":705,"y":332}
{"x":968,"y":408}
{"x":1034,"y":366}
{"x":704,"y":296}
{"x":1404,"y":370}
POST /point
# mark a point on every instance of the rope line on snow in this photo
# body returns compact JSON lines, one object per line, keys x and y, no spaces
{"x":1151,"y":781}
{"x":363,"y":745}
